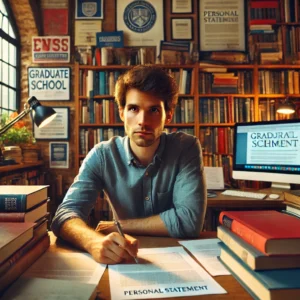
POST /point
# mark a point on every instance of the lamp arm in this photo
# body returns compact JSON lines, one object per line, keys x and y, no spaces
{"x":15,"y":120}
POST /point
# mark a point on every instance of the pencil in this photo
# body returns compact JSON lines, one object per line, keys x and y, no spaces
{"x":120,"y":230}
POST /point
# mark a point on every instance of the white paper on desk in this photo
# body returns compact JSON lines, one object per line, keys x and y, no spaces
{"x":161,"y":273}
{"x":206,"y":252}
{"x":214,"y":178}
{"x":80,"y":267}
{"x":48,"y":289}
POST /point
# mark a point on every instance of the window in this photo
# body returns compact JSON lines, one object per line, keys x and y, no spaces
{"x":9,"y":60}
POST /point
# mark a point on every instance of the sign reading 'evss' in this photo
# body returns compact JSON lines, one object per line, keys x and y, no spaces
{"x":51,"y":49}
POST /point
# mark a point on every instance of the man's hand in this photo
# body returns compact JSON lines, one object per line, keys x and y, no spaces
{"x":113,"y":248}
{"x":106,"y":249}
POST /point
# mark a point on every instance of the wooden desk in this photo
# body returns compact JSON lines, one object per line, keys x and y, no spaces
{"x":222,"y":202}
{"x":234,"y":290}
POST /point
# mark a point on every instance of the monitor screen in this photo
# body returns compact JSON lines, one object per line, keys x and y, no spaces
{"x":267,"y":151}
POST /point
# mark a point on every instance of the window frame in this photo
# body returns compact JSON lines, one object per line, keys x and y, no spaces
{"x":17,"y":43}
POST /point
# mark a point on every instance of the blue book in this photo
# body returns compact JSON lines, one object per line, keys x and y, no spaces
{"x":102,"y":82}
{"x":21,"y":198}
{"x":267,"y":284}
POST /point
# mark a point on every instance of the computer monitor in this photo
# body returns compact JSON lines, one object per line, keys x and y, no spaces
{"x":267,"y":151}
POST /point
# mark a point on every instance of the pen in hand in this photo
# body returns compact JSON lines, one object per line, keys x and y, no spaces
{"x":120,"y":230}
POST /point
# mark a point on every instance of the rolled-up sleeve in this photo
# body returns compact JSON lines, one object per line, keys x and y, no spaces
{"x":186,"y":218}
{"x":82,"y":194}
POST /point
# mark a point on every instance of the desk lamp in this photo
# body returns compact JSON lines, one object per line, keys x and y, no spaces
{"x":43,"y":114}
{"x":287,"y":107}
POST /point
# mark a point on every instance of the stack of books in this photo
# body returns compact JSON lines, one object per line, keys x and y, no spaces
{"x":23,"y":229}
{"x":292,"y":201}
{"x":262,"y":251}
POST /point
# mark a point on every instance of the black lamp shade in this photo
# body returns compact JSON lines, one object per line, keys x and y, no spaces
{"x":43,"y":114}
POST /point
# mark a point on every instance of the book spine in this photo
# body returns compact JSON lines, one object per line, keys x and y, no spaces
{"x":15,"y":203}
{"x":12,"y":217}
{"x":246,"y":233}
{"x":236,"y":247}
{"x":12,"y":260}
{"x":24,"y":263}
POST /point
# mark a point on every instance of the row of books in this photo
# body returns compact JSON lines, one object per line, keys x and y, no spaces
{"x":267,"y":110}
{"x":93,"y":82}
{"x":237,"y":82}
{"x":98,"y":111}
{"x":291,"y":11}
{"x":262,"y":251}
{"x":217,"y":140}
{"x":226,"y":110}
{"x":23,"y":229}
{"x":31,"y":177}
{"x":99,"y":82}
{"x":184,"y":111}
{"x":292,"y":42}
{"x":279,"y":82}
{"x":105,"y":56}
{"x":88,"y":138}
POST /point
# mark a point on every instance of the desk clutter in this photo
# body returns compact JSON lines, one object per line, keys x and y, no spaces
{"x":262,"y":251}
{"x":23,"y":229}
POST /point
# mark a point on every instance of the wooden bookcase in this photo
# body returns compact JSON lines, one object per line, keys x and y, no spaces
{"x":22,"y":174}
{"x":198,"y":97}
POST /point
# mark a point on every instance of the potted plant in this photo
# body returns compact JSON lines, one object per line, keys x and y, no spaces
{"x":17,"y":137}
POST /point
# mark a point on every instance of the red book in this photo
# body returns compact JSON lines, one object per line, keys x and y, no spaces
{"x":262,"y":21}
{"x":264,"y":4}
{"x":221,"y":140}
{"x":269,"y":231}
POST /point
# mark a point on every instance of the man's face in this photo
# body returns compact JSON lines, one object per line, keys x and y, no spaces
{"x":144,"y":117}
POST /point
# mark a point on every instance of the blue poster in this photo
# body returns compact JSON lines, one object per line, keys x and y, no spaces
{"x":89,"y":9}
{"x":110,"y":39}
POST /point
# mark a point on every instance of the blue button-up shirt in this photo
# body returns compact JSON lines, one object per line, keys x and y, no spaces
{"x":172,"y":185}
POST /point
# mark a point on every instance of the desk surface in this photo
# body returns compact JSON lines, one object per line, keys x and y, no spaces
{"x":234,"y":290}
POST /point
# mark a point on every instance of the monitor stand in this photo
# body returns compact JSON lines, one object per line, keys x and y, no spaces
{"x":281,"y":185}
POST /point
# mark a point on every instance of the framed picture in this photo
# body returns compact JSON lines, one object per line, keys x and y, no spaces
{"x":59,"y":155}
{"x":182,"y":29}
{"x":49,"y":83}
{"x":91,"y":9}
{"x":58,"y":129}
{"x":223,"y":27}
{"x":182,"y":6}
{"x":141,"y":21}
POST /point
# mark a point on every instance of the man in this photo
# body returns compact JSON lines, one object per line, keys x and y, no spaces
{"x":154,"y":180}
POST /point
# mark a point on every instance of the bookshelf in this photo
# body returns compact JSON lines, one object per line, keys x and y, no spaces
{"x":22,"y":174}
{"x":207,"y":110}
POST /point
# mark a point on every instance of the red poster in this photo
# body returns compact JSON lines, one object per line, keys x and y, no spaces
{"x":56,"y":21}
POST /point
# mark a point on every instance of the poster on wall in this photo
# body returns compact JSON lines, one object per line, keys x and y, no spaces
{"x":58,"y":129}
{"x":59,"y":155}
{"x":85,"y":32}
{"x":49,"y":83}
{"x":55,"y":16}
{"x":50,"y":49}
{"x":89,"y":9}
{"x":141,"y":21}
{"x":222,"y":26}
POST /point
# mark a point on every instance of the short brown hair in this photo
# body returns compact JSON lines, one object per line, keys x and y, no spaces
{"x":149,"y":79}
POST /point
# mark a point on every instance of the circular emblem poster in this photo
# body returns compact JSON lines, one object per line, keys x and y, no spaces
{"x":141,"y":21}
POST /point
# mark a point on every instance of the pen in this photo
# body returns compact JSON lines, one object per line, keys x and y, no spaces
{"x":120,"y":230}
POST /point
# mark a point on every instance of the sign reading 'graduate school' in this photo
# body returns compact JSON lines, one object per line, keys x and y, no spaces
{"x":49,"y":83}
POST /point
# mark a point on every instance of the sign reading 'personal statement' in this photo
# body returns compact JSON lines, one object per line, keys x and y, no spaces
{"x":49,"y":83}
